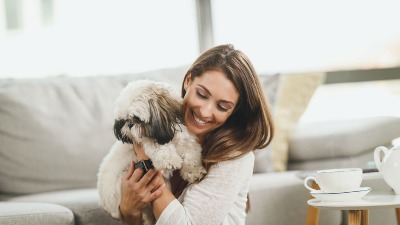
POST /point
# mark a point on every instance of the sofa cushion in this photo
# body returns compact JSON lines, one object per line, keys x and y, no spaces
{"x":54,"y":132}
{"x":289,"y":95}
{"x":84,"y":203}
{"x":263,"y":161}
{"x":281,"y":198}
{"x":344,"y":138}
{"x":22,"y":213}
{"x":362,"y":160}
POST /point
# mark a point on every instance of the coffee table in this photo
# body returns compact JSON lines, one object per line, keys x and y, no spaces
{"x":358,"y":209}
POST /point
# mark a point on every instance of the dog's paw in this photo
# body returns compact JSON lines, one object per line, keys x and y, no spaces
{"x":167,"y":162}
{"x":192,"y":173}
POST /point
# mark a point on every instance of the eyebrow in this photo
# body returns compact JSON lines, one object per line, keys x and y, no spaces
{"x":208,"y":91}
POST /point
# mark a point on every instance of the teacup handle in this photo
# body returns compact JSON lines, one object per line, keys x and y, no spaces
{"x":306,"y":182}
{"x":377,"y":155}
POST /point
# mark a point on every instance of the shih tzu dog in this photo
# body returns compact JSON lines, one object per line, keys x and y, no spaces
{"x":149,"y":113}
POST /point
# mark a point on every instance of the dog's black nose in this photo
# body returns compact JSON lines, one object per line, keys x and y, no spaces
{"x":118,"y":125}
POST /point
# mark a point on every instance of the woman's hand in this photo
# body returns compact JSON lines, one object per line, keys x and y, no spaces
{"x":138,"y":191}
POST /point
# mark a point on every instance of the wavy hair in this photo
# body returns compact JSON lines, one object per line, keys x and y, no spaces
{"x":250,"y":126}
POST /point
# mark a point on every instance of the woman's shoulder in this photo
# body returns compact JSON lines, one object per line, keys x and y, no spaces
{"x":244,"y":162}
{"x":239,"y":156}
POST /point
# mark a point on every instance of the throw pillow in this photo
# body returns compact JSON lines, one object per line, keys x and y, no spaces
{"x":289,"y":95}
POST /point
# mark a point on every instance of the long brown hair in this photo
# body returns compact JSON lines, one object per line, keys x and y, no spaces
{"x":250,"y":126}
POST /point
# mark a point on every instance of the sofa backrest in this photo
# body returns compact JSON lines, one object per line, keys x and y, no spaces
{"x":54,"y":132}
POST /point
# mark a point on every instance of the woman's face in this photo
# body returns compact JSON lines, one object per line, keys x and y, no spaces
{"x":210,"y":99}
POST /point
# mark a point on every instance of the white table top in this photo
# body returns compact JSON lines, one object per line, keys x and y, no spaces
{"x":369,"y":201}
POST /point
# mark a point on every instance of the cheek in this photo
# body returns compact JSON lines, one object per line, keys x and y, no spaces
{"x":189,"y":100}
{"x":185,"y":103}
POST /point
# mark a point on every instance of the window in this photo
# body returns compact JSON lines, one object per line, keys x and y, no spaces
{"x":95,"y":37}
{"x":311,"y":35}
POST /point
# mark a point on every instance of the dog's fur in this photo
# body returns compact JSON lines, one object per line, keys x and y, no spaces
{"x":149,"y":113}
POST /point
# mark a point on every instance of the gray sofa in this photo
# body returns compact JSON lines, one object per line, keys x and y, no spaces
{"x":55,"y":131}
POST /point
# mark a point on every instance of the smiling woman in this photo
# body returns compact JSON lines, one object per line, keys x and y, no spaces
{"x":225,"y":108}
{"x":213,"y":98}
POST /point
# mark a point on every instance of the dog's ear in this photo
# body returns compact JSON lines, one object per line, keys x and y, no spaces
{"x":118,"y":125}
{"x":165,"y":115}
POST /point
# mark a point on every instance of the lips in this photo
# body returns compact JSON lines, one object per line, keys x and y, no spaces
{"x":198,"y":120}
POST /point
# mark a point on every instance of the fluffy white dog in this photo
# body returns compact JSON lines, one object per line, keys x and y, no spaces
{"x":149,"y":113}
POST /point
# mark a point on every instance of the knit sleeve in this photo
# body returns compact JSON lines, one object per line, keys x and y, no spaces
{"x":212,"y":200}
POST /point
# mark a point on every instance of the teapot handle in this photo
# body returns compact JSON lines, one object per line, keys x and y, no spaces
{"x":377,"y":156}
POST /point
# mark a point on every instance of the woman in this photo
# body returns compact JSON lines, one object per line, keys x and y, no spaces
{"x":224,"y":106}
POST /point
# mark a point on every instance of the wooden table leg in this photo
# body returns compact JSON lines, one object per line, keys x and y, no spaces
{"x":354,"y":217}
{"x":358,"y":217}
{"x":312,"y":212}
{"x":312,"y":215}
{"x":398,"y":215}
{"x":364,"y":217}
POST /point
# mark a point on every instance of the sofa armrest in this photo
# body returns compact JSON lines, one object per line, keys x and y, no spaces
{"x":335,"y":139}
{"x":21,"y":213}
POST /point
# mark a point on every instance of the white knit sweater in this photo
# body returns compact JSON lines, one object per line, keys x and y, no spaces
{"x":219,"y":199}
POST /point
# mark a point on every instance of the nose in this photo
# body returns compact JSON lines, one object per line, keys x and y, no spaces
{"x":206,"y":110}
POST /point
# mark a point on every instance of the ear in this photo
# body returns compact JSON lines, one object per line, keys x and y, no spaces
{"x":187,"y":81}
{"x":161,"y":121}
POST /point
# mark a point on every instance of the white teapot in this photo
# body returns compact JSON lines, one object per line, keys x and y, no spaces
{"x":389,"y":167}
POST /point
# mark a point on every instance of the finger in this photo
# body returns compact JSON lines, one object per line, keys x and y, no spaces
{"x":156,"y":182}
{"x":147,"y":177}
{"x":137,"y":175}
{"x":155,"y":194}
{"x":129,"y":172}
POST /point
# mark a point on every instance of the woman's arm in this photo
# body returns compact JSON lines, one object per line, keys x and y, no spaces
{"x":137,"y":192}
{"x":206,"y":202}
{"x":163,"y":199}
{"x":160,"y":203}
{"x":219,"y":198}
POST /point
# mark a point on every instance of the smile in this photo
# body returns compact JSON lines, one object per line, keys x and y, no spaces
{"x":198,"y":120}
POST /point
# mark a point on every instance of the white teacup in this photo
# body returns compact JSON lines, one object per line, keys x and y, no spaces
{"x":336,"y":180}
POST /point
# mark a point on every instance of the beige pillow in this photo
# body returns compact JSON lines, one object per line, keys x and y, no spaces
{"x":288,"y":95}
{"x":294,"y":94}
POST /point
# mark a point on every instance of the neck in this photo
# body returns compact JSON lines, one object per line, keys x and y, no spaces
{"x":200,"y":138}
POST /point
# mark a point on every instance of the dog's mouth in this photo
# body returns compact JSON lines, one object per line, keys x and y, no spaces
{"x":118,"y":130}
{"x":123,"y":126}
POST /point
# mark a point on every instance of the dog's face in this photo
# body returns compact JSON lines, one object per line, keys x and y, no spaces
{"x":147,"y":109}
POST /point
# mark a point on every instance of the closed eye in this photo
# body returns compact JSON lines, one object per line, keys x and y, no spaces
{"x":202,"y":96}
{"x":220,"y":107}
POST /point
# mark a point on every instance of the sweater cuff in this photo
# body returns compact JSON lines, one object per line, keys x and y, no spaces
{"x":167,"y":212}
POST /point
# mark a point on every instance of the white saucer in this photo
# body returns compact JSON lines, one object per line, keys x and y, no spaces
{"x":341,"y":196}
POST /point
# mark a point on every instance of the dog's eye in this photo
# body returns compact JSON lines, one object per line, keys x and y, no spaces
{"x":136,"y":119}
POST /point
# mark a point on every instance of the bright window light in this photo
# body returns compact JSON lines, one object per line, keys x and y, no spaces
{"x":98,"y":37}
{"x":311,"y":35}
